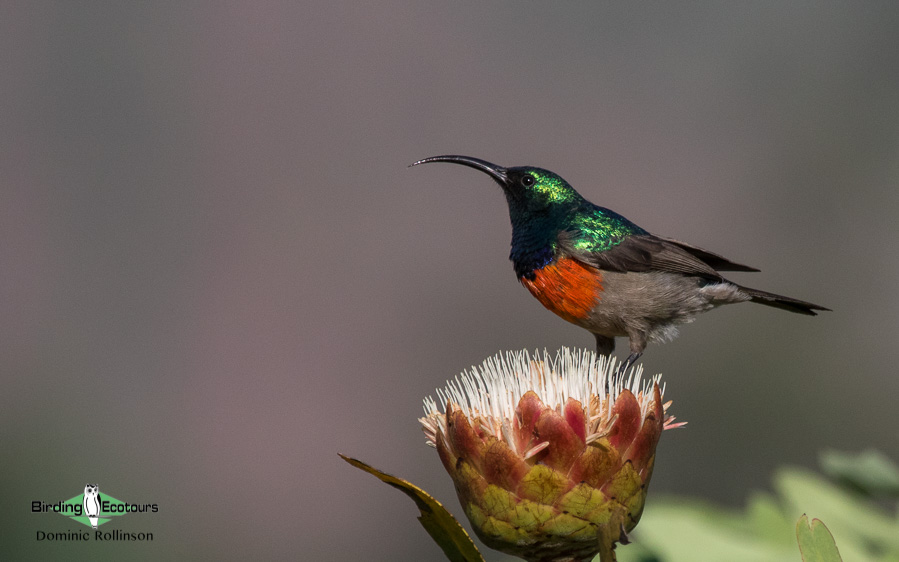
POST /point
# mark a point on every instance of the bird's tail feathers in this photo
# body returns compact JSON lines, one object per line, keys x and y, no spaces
{"x":782,"y":302}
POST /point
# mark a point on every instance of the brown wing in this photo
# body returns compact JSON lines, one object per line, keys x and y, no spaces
{"x":646,"y":252}
{"x":715,"y":261}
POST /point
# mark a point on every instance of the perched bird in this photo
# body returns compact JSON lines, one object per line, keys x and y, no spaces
{"x":600,"y":271}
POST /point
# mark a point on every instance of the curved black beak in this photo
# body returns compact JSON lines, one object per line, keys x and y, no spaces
{"x":496,"y":172}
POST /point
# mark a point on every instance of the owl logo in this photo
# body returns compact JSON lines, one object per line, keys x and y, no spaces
{"x":92,"y":503}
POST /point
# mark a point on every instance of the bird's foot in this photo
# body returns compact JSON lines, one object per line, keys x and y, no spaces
{"x":627,"y":364}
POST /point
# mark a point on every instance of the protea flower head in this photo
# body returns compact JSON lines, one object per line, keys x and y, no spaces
{"x":550,"y":457}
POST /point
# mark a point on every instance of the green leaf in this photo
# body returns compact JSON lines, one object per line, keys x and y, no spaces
{"x":437,"y":521}
{"x":815,"y":542}
{"x":859,"y":523}
{"x":765,"y":515}
{"x":678,"y":529}
{"x":868,"y":472}
{"x":674,"y":529}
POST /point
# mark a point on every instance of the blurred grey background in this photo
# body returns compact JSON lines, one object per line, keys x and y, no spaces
{"x":218,"y":271}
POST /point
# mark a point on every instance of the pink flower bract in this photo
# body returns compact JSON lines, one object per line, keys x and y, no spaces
{"x":550,"y":457}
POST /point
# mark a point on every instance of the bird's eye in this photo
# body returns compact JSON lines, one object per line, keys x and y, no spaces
{"x":527,"y":180}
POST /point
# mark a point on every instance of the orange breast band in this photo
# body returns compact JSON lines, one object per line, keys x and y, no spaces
{"x":566,"y":287}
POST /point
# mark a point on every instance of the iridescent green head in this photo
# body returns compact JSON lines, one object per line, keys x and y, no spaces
{"x":528,"y":189}
{"x":542,"y":206}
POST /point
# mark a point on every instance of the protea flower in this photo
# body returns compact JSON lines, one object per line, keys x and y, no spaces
{"x":550,"y":458}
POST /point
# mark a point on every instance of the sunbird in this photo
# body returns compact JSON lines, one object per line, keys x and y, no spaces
{"x":602,"y":272}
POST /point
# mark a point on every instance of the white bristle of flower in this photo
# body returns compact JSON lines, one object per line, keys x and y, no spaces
{"x":492,"y":391}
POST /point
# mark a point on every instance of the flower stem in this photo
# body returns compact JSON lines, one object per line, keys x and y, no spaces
{"x":607,"y":551}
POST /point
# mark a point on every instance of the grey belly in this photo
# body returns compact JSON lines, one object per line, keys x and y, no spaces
{"x":654,"y":303}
